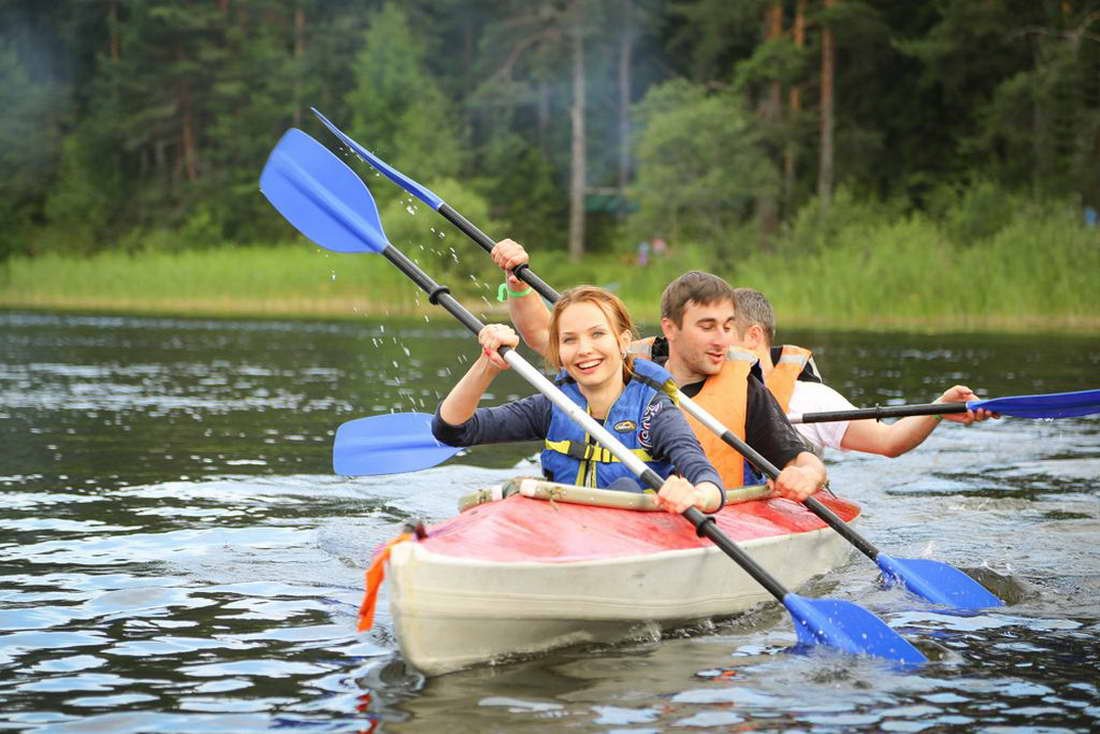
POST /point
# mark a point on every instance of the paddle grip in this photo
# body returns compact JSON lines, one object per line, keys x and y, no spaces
{"x":523,"y":272}
{"x":439,"y":295}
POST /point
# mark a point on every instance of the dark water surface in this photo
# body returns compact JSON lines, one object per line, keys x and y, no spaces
{"x":175,"y":554}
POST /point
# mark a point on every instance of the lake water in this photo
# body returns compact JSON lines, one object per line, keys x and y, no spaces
{"x":176,"y":554}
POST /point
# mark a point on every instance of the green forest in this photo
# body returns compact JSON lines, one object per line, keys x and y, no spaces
{"x":863,"y":161}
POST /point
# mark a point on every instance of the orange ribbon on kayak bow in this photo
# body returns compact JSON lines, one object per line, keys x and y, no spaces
{"x":375,"y":574}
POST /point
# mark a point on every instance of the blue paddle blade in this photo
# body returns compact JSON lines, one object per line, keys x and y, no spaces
{"x":848,"y":627}
{"x":937,"y":582}
{"x":387,"y":444}
{"x":323,"y":198}
{"x":421,"y":192}
{"x":1051,"y":405}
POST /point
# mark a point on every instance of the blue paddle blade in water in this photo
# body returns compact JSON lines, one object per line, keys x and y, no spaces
{"x":848,"y":627}
{"x":1051,"y":405}
{"x":321,"y":196}
{"x":937,"y":582}
{"x":387,"y":444}
{"x":423,"y":193}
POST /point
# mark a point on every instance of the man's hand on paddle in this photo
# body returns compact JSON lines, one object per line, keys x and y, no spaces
{"x":963,"y":394}
{"x":795,"y":483}
{"x":509,"y":255}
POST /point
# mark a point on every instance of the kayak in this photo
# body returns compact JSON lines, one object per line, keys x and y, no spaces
{"x":551,"y":566}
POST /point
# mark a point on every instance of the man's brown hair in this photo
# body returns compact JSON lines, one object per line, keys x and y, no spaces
{"x":702,"y":288}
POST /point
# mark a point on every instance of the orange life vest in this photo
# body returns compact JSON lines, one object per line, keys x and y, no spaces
{"x":724,"y":396}
{"x":792,"y":360}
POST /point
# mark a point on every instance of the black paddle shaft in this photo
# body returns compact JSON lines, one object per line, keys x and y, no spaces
{"x":523,"y":272}
{"x":831,"y":519}
{"x":705,"y":525}
{"x":879,"y":412}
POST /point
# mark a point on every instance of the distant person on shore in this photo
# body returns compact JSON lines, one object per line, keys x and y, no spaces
{"x":790,"y":374}
{"x":697,"y":321}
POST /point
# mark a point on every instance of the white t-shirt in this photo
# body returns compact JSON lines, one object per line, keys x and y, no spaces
{"x":815,"y":397}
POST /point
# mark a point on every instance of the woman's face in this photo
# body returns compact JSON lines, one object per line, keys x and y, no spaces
{"x":588,"y":348}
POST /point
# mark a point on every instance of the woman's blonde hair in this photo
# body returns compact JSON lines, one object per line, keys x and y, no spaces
{"x":611,"y":305}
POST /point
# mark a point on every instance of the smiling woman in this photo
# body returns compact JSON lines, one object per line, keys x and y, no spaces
{"x":590,"y":332}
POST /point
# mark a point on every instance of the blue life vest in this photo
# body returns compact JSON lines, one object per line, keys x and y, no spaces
{"x":572,"y":456}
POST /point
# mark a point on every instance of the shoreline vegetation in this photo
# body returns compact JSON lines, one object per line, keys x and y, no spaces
{"x":902,"y":274}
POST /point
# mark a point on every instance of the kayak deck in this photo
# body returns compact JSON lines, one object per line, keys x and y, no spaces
{"x":516,"y":529}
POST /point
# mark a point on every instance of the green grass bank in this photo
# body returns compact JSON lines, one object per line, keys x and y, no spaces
{"x":902,"y":274}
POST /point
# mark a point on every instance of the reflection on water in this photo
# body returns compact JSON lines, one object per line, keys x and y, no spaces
{"x":176,"y":555}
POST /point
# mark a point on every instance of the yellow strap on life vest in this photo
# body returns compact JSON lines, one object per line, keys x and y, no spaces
{"x":725,"y":396}
{"x":592,"y":452}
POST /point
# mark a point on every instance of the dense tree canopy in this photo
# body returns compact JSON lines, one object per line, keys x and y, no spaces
{"x":144,"y":123}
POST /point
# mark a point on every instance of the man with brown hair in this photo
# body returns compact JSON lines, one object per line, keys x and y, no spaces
{"x":790,"y":374}
{"x":697,"y":324}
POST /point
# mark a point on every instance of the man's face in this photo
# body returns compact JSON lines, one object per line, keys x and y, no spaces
{"x":706,"y":333}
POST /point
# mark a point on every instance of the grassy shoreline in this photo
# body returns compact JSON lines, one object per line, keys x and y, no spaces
{"x":909,"y":281}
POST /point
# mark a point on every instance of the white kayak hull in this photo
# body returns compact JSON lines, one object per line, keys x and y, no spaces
{"x":453,"y":612}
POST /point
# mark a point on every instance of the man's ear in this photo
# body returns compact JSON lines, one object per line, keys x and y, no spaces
{"x":667,"y":327}
{"x":753,"y":338}
{"x":758,"y":337}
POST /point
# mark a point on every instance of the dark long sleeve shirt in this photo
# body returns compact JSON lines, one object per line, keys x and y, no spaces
{"x":528,"y":419}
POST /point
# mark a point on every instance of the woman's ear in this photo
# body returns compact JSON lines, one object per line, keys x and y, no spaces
{"x":625,"y":339}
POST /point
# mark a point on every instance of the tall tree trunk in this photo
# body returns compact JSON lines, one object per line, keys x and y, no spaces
{"x":188,"y":158}
{"x":543,"y":114}
{"x":114,"y":43}
{"x":579,"y":164}
{"x":794,"y":105}
{"x":626,"y":58}
{"x":188,"y":154}
{"x":767,"y":208}
{"x":299,"y":60}
{"x":827,"y":121}
{"x":828,"y":73}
